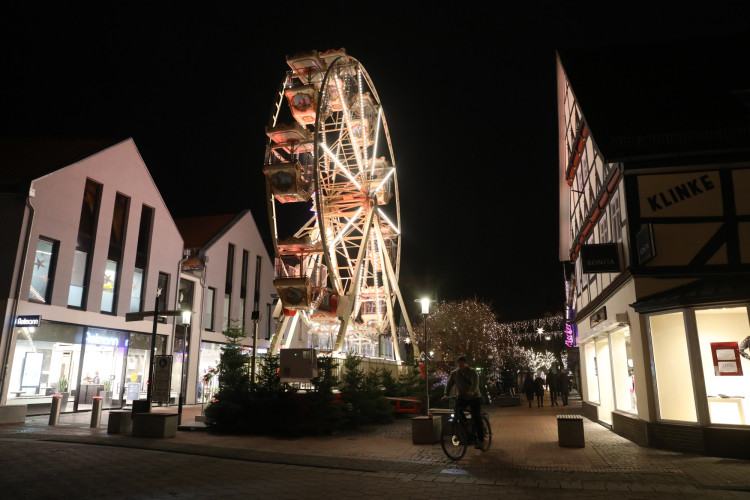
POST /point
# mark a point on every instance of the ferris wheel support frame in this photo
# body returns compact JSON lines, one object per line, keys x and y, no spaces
{"x":397,"y":291}
{"x":346,"y":317}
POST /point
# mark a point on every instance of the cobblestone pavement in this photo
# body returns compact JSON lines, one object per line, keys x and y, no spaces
{"x":41,"y":461}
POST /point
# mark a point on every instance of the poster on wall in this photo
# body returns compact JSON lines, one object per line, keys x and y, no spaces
{"x":726,"y":357}
{"x":32,"y":370}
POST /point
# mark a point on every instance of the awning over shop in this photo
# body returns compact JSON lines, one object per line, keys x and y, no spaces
{"x":714,"y":290}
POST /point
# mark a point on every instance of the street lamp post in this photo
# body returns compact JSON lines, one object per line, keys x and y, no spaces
{"x":425,"y":311}
{"x":186,"y":317}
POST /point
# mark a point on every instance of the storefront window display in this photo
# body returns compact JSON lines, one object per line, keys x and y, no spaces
{"x":724,"y":337}
{"x":604,"y":371}
{"x":208,"y":368}
{"x":102,"y":367}
{"x":671,"y":362}
{"x":622,"y":370}
{"x":45,"y":362}
{"x":79,"y":363}
{"x":592,"y":379}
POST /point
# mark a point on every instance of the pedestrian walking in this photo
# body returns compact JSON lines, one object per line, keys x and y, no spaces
{"x":528,"y":387}
{"x":564,"y":384}
{"x":553,"y":385}
{"x":539,"y":388}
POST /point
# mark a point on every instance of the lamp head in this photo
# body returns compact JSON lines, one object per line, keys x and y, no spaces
{"x":425,"y":306}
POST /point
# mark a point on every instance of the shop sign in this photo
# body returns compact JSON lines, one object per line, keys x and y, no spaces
{"x":32,"y":321}
{"x":571,"y":335}
{"x":600,"y":258}
{"x":680,"y":195}
{"x":97,"y":339}
{"x":599,"y":316}
{"x":161,"y":379}
{"x":645,"y":244}
{"x":726,"y":358}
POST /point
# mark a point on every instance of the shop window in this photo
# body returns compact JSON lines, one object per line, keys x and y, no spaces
{"x":616,"y":217}
{"x":46,"y":361}
{"x":269,"y":314}
{"x":141,"y":258}
{"x":225,"y":316}
{"x":85,"y":243}
{"x":622,"y":370}
{"x":114,"y":253}
{"x":604,"y":228}
{"x":724,"y":337}
{"x":78,"y":279}
{"x":109,"y":287}
{"x":592,"y":377}
{"x":208,"y":377}
{"x":43,"y":271}
{"x":136,"y":292}
{"x":604,"y":372}
{"x":671,"y":364}
{"x":208,"y":319}
{"x":163,"y":286}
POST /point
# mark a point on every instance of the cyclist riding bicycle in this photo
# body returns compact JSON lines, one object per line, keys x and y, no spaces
{"x":463,"y":382}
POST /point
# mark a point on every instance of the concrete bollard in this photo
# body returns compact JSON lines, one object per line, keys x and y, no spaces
{"x":96,"y":412}
{"x":54,"y":413}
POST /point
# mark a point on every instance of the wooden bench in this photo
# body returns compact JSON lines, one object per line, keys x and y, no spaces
{"x":405,"y":405}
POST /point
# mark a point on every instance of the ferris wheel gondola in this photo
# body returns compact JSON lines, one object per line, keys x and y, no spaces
{"x":337,"y":266}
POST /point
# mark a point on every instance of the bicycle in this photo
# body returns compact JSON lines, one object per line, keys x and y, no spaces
{"x":459,"y":433}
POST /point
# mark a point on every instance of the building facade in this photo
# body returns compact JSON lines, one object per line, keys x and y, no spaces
{"x":654,"y":173}
{"x":226,"y":277}
{"x":87,"y":239}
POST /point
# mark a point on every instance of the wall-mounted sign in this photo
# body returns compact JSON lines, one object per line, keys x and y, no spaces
{"x":645,"y":244}
{"x":571,"y":335}
{"x":600,"y":258}
{"x":680,"y":195}
{"x":28,"y":321}
{"x":599,"y":316}
{"x":726,"y":358}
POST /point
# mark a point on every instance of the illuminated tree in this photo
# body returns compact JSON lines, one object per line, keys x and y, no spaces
{"x":468,"y":327}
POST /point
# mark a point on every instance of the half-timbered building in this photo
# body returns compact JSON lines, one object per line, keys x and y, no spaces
{"x":654,"y":176}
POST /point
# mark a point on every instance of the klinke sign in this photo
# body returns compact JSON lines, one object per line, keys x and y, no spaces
{"x":680,"y":195}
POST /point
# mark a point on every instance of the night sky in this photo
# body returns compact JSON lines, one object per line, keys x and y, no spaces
{"x":469,"y":95}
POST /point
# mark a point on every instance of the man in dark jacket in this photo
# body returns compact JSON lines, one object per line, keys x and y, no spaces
{"x":464,"y":383}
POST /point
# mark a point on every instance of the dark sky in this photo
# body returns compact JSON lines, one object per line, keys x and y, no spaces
{"x":468,"y":92}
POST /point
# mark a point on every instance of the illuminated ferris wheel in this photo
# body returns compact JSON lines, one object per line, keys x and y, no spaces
{"x":333,"y":205}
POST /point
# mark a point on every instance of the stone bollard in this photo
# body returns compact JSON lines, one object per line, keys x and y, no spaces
{"x":96,"y":412}
{"x":54,"y":413}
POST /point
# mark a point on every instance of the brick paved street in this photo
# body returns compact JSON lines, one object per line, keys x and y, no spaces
{"x":72,"y":460}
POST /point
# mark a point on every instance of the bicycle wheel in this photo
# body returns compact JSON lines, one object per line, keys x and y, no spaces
{"x":487,"y":433}
{"x":453,"y":441}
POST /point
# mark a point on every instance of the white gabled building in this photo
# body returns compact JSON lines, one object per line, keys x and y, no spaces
{"x":226,"y":277}
{"x":87,"y":238}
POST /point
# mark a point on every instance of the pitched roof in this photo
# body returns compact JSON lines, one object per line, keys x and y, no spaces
{"x":198,"y":231}
{"x":682,"y":97}
{"x":23,"y":159}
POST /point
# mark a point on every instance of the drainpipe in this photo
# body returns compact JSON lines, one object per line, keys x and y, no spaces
{"x":19,"y":284}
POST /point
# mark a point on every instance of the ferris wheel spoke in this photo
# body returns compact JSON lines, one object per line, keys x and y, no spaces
{"x":340,"y":165}
{"x":347,"y":119}
{"x":375,"y":144}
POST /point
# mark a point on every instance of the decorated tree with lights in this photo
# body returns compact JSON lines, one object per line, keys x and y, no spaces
{"x":467,"y":327}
